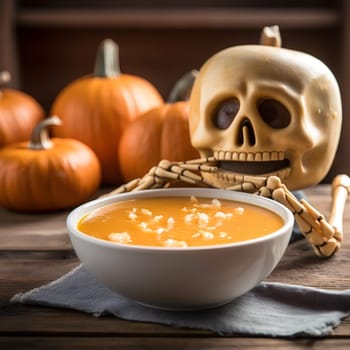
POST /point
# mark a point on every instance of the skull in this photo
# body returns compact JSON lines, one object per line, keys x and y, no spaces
{"x":264,"y":110}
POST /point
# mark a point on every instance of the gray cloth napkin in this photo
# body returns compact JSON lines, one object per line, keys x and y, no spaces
{"x":270,"y":309}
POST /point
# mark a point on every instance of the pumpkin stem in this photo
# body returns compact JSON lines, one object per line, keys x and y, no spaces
{"x":40,"y":137}
{"x":107,"y":60}
{"x":5,"y":77}
{"x":182,"y":88}
{"x":270,"y":36}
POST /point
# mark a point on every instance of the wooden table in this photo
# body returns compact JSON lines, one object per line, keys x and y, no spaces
{"x":35,"y":249}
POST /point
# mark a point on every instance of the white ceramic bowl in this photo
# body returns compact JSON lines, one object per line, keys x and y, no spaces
{"x":181,"y":278}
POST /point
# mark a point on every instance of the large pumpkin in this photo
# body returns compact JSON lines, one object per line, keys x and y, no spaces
{"x":96,"y":109}
{"x":19,"y":113}
{"x":161,"y":133}
{"x":47,"y":174}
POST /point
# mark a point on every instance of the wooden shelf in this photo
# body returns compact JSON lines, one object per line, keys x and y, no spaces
{"x":178,"y":18}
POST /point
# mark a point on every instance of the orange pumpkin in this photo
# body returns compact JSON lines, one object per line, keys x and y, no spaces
{"x":161,"y":133}
{"x":96,"y":109}
{"x":19,"y":113}
{"x":47,"y":174}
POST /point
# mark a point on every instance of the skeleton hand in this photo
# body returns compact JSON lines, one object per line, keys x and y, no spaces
{"x":325,"y":237}
{"x":166,"y":172}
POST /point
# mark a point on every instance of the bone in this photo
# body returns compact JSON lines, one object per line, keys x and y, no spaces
{"x":202,"y":167}
{"x":330,"y":248}
{"x":243,"y":187}
{"x":146,"y":183}
{"x":199,"y":161}
{"x":340,"y":192}
{"x":130,"y":186}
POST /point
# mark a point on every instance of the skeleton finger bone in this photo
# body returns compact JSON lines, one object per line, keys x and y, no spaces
{"x":167,"y":172}
{"x":244,"y":187}
{"x":201,"y":164}
{"x":268,"y":186}
{"x":176,"y":171}
{"x":250,"y":184}
{"x":124,"y":188}
{"x":150,"y":181}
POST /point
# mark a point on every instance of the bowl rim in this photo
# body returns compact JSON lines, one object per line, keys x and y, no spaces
{"x":75,"y":215}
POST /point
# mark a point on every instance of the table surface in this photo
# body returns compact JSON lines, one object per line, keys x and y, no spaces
{"x":35,"y":249}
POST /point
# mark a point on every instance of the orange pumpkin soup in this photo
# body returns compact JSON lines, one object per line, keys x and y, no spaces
{"x":179,"y":222}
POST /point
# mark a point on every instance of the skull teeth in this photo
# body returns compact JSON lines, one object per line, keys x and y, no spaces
{"x":249,"y":156}
{"x":234,"y":166}
{"x":237,"y":178}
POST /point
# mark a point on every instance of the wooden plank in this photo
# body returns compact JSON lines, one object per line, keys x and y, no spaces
{"x":170,"y":343}
{"x":19,"y":320}
{"x":179,"y":18}
{"x":40,"y":232}
{"x":36,"y":232}
{"x":301,"y":266}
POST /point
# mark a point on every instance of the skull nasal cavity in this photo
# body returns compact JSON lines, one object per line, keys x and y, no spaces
{"x":246,"y":133}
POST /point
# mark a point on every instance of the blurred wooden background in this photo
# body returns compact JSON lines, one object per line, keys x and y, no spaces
{"x":47,"y":44}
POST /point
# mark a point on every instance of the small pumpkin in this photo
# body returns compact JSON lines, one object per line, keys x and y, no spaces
{"x":161,"y":133}
{"x":96,"y":109}
{"x":47,"y":174}
{"x":19,"y":113}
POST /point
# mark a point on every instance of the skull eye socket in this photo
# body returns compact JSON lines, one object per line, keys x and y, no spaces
{"x":274,"y":113}
{"x":225,"y":113}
